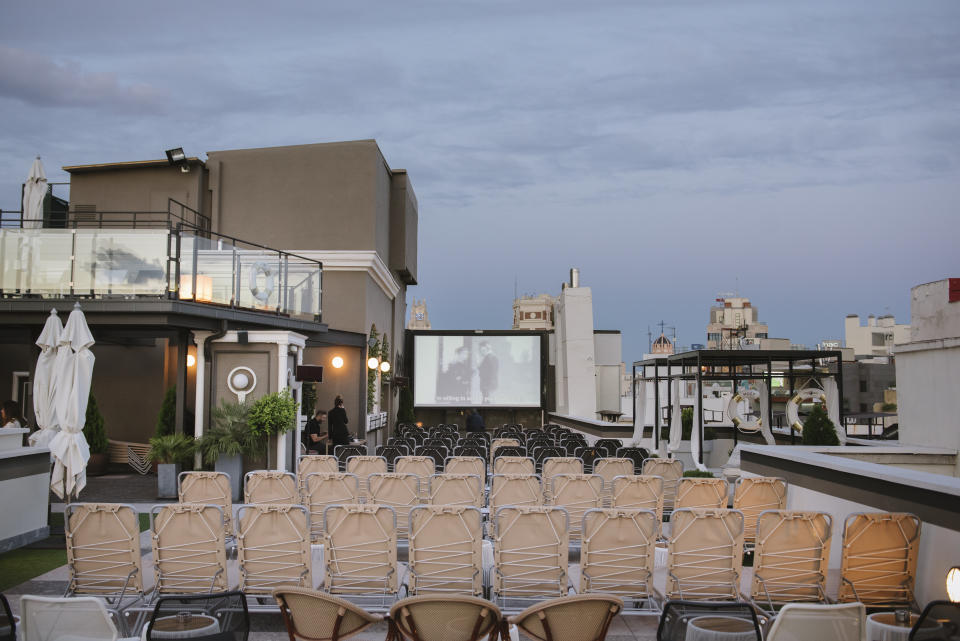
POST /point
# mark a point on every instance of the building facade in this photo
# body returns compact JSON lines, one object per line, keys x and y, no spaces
{"x":733,"y":319}
{"x":876,"y":338}
{"x":534,"y":312}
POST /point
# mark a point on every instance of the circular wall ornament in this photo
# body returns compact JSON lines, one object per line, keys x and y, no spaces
{"x":262,"y":294}
{"x":241,"y":381}
{"x":733,"y":410}
{"x":806,"y":395}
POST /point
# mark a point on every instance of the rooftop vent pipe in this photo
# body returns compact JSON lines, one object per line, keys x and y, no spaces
{"x":574,"y":277}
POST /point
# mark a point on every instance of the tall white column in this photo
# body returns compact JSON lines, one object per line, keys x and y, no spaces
{"x":282,"y":362}
{"x":200,"y":398}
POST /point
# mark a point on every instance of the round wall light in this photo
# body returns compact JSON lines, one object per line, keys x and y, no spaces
{"x":191,"y":360}
{"x":384,"y":367}
{"x":337,"y":362}
{"x":373,"y":363}
{"x":953,"y":584}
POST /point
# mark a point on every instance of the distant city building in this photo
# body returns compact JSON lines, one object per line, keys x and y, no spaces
{"x":732,"y":320}
{"x":876,"y":338}
{"x":534,"y":312}
{"x":418,"y":315}
{"x":662,"y":346}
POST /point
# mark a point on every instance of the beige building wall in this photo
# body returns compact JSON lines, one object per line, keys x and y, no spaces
{"x":736,"y":318}
{"x":876,"y":338}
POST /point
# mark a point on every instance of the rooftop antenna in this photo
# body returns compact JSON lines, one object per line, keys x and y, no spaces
{"x":649,"y":340}
{"x":736,"y":288}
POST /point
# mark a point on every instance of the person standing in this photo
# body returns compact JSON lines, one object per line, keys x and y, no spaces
{"x":475,"y":421}
{"x":337,"y":419}
{"x":314,"y":433}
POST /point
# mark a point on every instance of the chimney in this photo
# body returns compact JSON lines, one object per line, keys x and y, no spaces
{"x":574,"y":277}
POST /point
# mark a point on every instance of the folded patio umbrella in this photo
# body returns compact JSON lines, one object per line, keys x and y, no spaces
{"x":44,"y":400}
{"x":74,"y":370}
{"x":34,"y":193}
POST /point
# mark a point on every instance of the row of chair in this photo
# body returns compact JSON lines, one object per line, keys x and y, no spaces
{"x":530,"y":553}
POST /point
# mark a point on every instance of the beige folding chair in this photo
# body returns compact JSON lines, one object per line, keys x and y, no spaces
{"x":514,"y":465}
{"x":443,"y":618}
{"x":705,"y":555}
{"x":502,"y":442}
{"x":671,"y":471}
{"x":361,"y":553}
{"x":103,"y":554}
{"x":398,"y":490}
{"x":843,"y":622}
{"x":579,"y":617}
{"x":561,"y":465}
{"x":878,"y":566}
{"x":422,"y":466}
{"x":467,"y":465}
{"x":530,"y":549}
{"x":790,"y":558}
{"x":638,"y":492}
{"x":576,"y":493}
{"x":309,"y":614}
{"x":514,"y":489}
{"x":617,"y":555}
{"x":456,"y":489}
{"x":755,"y":494}
{"x":273,"y":548}
{"x":363,"y":467}
{"x":209,"y":488}
{"x":270,"y":486}
{"x":445,"y":549}
{"x":610,"y":468}
{"x":705,"y":493}
{"x":189,"y":554}
{"x":314,"y":464}
{"x":325,"y":489}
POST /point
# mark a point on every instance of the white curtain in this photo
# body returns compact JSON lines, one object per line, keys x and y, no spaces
{"x":676,"y":421}
{"x":695,"y":444}
{"x":640,"y":415}
{"x":74,"y":369}
{"x":765,"y":428}
{"x":44,"y":376}
{"x":831,"y":390}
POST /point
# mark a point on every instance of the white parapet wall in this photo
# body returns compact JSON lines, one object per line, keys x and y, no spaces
{"x":24,"y":491}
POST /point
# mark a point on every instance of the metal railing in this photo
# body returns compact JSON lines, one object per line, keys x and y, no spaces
{"x":78,"y":217}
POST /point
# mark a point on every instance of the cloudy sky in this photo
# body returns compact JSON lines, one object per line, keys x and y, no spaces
{"x":804,"y":154}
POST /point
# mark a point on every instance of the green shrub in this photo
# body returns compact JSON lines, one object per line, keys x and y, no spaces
{"x":700,"y":474}
{"x":167,"y":418}
{"x":93,"y":428}
{"x":818,"y":429}
{"x":686,"y":422}
{"x":888,"y":407}
{"x":172,"y":448}
{"x":405,"y":413}
{"x":273,"y":414}
{"x":229,"y":433}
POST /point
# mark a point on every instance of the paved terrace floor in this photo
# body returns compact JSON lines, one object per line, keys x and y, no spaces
{"x":141,"y":491}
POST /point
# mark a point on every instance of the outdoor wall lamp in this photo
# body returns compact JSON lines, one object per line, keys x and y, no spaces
{"x":953,"y":584}
{"x":191,"y":360}
{"x":373,"y":362}
{"x":337,"y":362}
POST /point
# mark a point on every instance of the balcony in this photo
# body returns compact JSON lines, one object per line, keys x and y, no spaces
{"x":172,"y":261}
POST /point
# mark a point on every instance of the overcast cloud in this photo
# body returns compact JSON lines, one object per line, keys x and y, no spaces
{"x":805,"y":154}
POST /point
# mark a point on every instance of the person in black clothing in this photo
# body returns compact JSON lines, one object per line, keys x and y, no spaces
{"x":339,"y":435}
{"x":475,"y":421}
{"x":314,"y":433}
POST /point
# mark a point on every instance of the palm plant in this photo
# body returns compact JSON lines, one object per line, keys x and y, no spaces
{"x":171,"y":448}
{"x":229,"y":433}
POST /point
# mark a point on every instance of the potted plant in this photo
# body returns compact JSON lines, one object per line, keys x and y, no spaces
{"x":273,"y":415}
{"x":170,"y":452}
{"x":818,"y":429}
{"x":96,"y":435}
{"x":227,"y":440}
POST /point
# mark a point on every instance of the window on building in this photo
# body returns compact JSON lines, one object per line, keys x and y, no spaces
{"x":863,"y":407}
{"x":863,"y":387}
{"x":713,"y":337}
{"x":879,"y":340}
{"x":761,"y":334}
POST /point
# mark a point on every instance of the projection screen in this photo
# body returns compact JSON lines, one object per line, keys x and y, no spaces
{"x":476,"y":370}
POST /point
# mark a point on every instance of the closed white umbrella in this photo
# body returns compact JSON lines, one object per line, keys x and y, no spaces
{"x":44,"y":390}
{"x":74,"y":371}
{"x":34,"y":192}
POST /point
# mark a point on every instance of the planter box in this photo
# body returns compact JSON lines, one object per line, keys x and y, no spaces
{"x":233,"y":467}
{"x":167,"y":480}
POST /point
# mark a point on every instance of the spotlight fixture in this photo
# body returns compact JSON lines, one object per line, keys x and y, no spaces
{"x":178,"y":157}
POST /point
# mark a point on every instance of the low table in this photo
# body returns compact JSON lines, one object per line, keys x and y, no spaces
{"x":883,"y":626}
{"x":720,"y":628}
{"x":196,"y":625}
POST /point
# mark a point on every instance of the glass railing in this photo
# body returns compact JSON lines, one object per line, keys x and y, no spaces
{"x":179,"y":263}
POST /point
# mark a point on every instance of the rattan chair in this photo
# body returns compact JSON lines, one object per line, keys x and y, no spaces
{"x":318,"y":616}
{"x":582,"y":617}
{"x":443,"y":618}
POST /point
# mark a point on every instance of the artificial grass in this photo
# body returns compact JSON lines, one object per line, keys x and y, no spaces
{"x":23,"y":564}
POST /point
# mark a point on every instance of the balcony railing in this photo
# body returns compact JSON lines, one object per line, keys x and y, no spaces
{"x":179,"y":262}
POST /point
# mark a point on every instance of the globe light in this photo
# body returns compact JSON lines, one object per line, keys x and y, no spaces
{"x":191,"y":360}
{"x":953,"y":584}
{"x":384,"y":367}
{"x":373,"y":363}
{"x":337,"y":362}
{"x":240,"y":380}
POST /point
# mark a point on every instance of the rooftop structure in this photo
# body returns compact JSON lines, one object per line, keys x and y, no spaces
{"x":733,"y":319}
{"x":876,"y":338}
{"x":534,"y":312}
